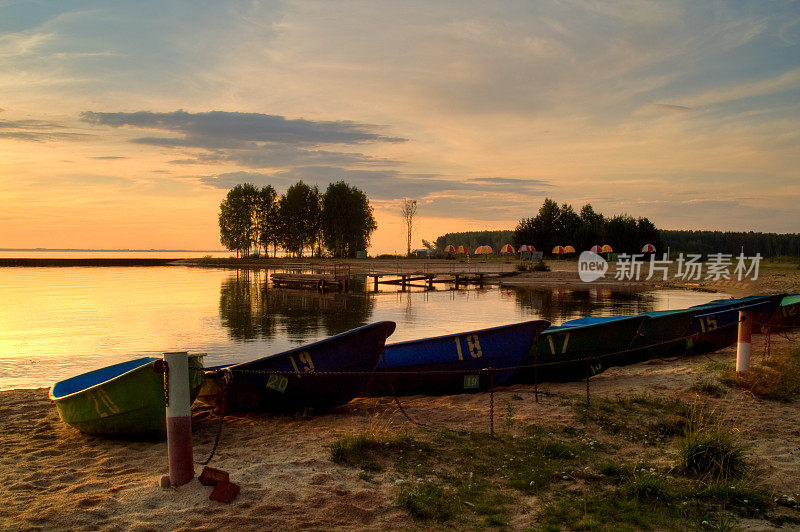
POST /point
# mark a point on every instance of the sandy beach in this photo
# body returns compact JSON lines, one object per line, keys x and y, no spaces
{"x":55,"y":478}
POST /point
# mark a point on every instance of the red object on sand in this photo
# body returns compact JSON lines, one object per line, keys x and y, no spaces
{"x":211,"y":476}
{"x":225,"y":492}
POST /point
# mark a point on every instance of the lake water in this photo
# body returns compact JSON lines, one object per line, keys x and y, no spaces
{"x":57,"y":322}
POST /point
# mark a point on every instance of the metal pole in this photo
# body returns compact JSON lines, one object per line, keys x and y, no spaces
{"x":179,"y":420}
{"x":743,"y":346}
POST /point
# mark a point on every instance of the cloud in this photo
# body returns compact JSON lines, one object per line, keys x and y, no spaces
{"x":253,"y":140}
{"x":516,"y":183}
{"x":446,"y":198}
{"x":272,"y":156}
{"x":109,"y":157}
{"x":673,"y":107}
{"x":227,"y":129}
{"x":37,"y":131}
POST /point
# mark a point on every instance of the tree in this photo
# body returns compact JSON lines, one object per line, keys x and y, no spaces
{"x":347,"y":220}
{"x":237,"y":213}
{"x":267,"y":218}
{"x":591,"y":231}
{"x":409,"y":211}
{"x":299,"y":214}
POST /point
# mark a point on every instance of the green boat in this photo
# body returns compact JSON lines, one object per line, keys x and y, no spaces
{"x":786,"y":316}
{"x":124,"y":400}
{"x":562,"y":351}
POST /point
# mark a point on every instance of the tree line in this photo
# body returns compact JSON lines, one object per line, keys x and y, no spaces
{"x":706,"y":242}
{"x":338,"y":222}
{"x":473,"y":239}
{"x":556,"y":225}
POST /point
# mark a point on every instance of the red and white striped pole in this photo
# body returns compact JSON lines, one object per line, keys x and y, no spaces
{"x":179,"y":420}
{"x":743,"y":345}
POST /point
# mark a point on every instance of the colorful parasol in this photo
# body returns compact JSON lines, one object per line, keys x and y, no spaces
{"x":596,"y":249}
{"x":462,"y":250}
{"x":526,"y":247}
{"x":484,"y":250}
{"x":558,"y":250}
{"x":450,"y":248}
{"x":607,"y":249}
{"x":507,"y":249}
{"x":648,"y":248}
{"x":569,"y":249}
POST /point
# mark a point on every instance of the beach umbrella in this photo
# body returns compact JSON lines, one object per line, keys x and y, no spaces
{"x":569,"y":249}
{"x":484,"y":250}
{"x":526,"y":247}
{"x":508,"y":248}
{"x":558,"y":250}
{"x":450,"y":248}
{"x":596,"y":249}
{"x":462,"y":250}
{"x":648,"y":248}
{"x":607,"y":249}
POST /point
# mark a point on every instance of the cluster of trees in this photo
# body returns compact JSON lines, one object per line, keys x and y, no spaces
{"x":560,"y":225}
{"x":705,"y":242}
{"x":473,"y":239}
{"x":253,"y":219}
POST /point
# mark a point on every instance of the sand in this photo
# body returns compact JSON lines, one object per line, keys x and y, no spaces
{"x":55,"y":478}
{"x":773,"y":277}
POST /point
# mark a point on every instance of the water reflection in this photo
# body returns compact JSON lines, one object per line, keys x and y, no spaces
{"x":250,"y":308}
{"x":558,"y":305}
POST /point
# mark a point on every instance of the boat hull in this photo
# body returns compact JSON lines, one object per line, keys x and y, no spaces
{"x":571,"y":352}
{"x":300,"y":379}
{"x":128,"y":405}
{"x":453,"y":364}
{"x":715,"y":324}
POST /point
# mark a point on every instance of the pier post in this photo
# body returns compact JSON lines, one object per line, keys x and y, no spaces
{"x":179,"y":420}
{"x":743,"y":346}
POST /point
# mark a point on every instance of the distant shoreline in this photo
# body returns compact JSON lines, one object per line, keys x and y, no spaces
{"x":85,"y":250}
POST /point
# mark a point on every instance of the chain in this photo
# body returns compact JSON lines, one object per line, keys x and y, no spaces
{"x":227,"y":378}
{"x":491,"y":402}
{"x":166,"y":383}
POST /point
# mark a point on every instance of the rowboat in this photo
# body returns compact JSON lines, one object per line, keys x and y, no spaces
{"x":662,"y":333}
{"x":454,"y":362}
{"x":786,"y":316}
{"x":578,"y":348}
{"x":124,"y":400}
{"x":716,"y":323}
{"x":300,"y":378}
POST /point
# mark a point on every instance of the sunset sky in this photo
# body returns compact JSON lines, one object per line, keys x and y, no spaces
{"x":123,"y":124}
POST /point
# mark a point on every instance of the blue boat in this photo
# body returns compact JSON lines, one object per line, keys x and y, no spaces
{"x":716,"y":323}
{"x":300,"y":378}
{"x":464,"y":355}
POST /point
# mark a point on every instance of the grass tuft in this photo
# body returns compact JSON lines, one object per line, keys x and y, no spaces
{"x":366,"y":449}
{"x":428,"y":501}
{"x":708,"y":387}
{"x":777,"y":378}
{"x":711,"y":453}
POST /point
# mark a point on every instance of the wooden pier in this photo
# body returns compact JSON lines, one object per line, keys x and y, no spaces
{"x":320,"y":282}
{"x":337,"y":277}
{"x":408,"y":280}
